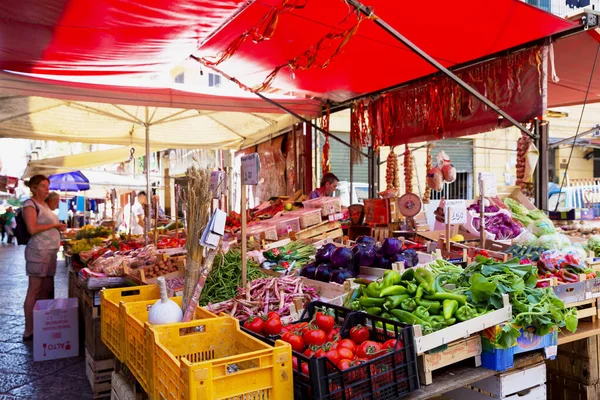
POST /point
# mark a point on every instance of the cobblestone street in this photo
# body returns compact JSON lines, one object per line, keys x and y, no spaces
{"x":20,"y":377}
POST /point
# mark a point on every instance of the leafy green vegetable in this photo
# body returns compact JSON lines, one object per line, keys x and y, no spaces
{"x":481,"y":288}
{"x":543,"y":227}
{"x":536,"y":214}
{"x":594,"y":244}
{"x":515,"y":207}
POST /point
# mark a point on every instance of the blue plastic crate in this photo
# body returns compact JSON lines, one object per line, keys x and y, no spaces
{"x":502,"y":359}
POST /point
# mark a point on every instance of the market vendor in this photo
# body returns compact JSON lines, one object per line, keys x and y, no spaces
{"x":329,"y":184}
{"x":138,"y":223}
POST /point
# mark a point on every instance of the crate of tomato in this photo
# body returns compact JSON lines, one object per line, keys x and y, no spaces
{"x":339,"y":354}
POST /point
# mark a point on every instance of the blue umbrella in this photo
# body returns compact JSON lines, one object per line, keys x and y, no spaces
{"x":69,"y":182}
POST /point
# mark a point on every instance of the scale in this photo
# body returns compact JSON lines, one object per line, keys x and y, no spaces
{"x":409,"y":205}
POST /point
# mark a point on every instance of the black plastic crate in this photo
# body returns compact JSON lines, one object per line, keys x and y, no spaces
{"x":388,"y":377}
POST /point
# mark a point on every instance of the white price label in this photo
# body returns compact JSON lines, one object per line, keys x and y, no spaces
{"x":289,"y":229}
{"x":456,"y":215}
{"x":250,"y":168}
{"x":215,"y":185}
{"x":487,"y":181}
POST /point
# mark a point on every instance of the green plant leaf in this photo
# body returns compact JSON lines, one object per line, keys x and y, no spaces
{"x":481,"y":288}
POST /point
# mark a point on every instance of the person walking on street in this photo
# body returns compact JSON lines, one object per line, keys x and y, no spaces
{"x":42,"y":248}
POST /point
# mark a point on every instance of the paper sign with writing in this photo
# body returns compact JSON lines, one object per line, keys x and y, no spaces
{"x":250,"y":168}
{"x":456,"y":215}
{"x":487,"y":181}
{"x":216,"y":183}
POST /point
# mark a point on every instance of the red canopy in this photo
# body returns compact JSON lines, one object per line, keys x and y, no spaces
{"x":453,"y":32}
{"x":88,"y":37}
{"x":573,"y":59}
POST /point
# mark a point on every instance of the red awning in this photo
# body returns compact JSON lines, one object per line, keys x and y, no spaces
{"x":573,"y":59}
{"x":453,"y":32}
{"x":87,"y":37}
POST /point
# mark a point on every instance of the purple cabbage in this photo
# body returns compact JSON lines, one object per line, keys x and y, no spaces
{"x":323,"y":272}
{"x":342,"y":257}
{"x":340,"y":276}
{"x":391,"y":246}
{"x":308,"y":271}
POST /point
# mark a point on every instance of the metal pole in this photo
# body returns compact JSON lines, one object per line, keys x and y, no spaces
{"x":367,"y":11}
{"x":543,"y":165}
{"x":147,"y":168}
{"x":306,"y":121}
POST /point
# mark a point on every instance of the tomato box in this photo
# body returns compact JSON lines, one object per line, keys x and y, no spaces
{"x":391,"y":375}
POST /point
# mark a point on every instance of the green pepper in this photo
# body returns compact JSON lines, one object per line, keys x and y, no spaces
{"x":393,"y":291}
{"x":394,"y":301}
{"x":421,"y":312}
{"x":407,"y":318}
{"x":355,"y":305}
{"x":449,"y":307}
{"x":466,"y":313}
{"x":374,"y":289}
{"x":462,"y":300}
{"x":436,"y":319}
{"x":379,"y":324}
{"x":386,"y":315}
{"x":424,"y":277}
{"x":450,"y":321}
{"x":432,"y":306}
{"x":374,"y":310}
{"x":420,"y":291}
{"x":409,"y":274}
{"x":438,"y":286}
{"x":367,"y":302}
{"x":391,"y":278}
{"x":412,"y":288}
{"x":409,"y":305}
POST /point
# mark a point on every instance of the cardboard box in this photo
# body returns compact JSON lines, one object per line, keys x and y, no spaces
{"x":55,"y":329}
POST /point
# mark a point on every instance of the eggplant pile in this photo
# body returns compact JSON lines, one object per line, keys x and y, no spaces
{"x":332,"y":264}
{"x":336,"y":264}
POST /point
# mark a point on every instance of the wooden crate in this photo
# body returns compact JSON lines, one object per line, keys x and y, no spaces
{"x":99,"y":374}
{"x":325,"y":230}
{"x":91,"y":299}
{"x":579,"y":360}
{"x":561,"y":387}
{"x":455,"y":352}
{"x":93,"y":344}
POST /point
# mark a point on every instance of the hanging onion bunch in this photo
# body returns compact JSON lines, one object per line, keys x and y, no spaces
{"x":428,"y":167}
{"x":392,"y":175}
{"x":522,"y":147}
{"x":408,"y":170}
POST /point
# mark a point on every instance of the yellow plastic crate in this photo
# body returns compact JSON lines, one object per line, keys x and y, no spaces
{"x":137,"y":349}
{"x":112,"y":326}
{"x":217,"y":361}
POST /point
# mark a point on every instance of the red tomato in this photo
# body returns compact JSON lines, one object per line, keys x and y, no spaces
{"x":305,"y":369}
{"x":389,"y":344}
{"x":359,"y":334}
{"x":345,"y":352}
{"x":309,"y":352}
{"x":286,"y":335}
{"x":344,"y":364}
{"x":333,"y":356}
{"x":368,"y":350}
{"x":324,"y":321}
{"x":296,"y":342}
{"x":272,"y":314}
{"x":255,"y":324}
{"x":272,"y":326}
{"x":347,"y":343}
{"x":320,"y":353}
{"x":314,"y":337}
{"x":333,"y":335}
{"x":295,"y":363}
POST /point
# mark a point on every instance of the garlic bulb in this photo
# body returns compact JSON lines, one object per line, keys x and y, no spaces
{"x":164,"y":311}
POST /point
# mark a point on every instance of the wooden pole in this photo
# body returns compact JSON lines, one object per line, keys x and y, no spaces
{"x":447,"y":231}
{"x":482,"y":214}
{"x":177,"y":190}
{"x":155,"y":222}
{"x":244,"y":250}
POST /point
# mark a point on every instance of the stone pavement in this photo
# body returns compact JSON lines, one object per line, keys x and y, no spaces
{"x":20,"y":377}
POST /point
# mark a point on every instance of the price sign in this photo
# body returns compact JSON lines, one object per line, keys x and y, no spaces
{"x":456,"y":215}
{"x":250,"y":168}
{"x":487,"y":181}
{"x":216,"y":183}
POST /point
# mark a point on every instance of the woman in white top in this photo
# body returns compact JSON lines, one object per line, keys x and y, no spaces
{"x":40,"y":254}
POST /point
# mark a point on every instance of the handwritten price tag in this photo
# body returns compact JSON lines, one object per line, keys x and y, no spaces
{"x":487,"y":181}
{"x":456,"y":215}
{"x":216,"y":183}
{"x":250,"y":168}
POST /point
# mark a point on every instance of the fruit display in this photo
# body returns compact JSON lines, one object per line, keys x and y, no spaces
{"x":83,"y":245}
{"x":90,"y":232}
{"x":565,"y":267}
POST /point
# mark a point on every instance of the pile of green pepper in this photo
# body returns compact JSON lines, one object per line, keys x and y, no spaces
{"x":413,"y":297}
